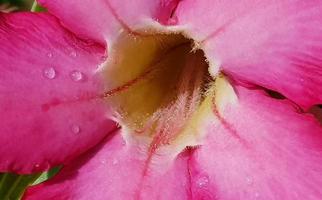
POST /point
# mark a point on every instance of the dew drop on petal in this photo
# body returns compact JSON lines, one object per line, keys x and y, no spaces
{"x":37,"y":165}
{"x":115,"y":161}
{"x":202,"y":181}
{"x":103,"y":162}
{"x":249,"y":180}
{"x":75,"y":129}
{"x":76,"y":76}
{"x":49,"y":55}
{"x":73,"y":54}
{"x":49,"y":73}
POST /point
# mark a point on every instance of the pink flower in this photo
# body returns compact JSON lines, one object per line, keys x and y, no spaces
{"x":185,"y":133}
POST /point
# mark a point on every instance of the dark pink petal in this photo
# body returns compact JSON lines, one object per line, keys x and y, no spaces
{"x":261,"y":148}
{"x":115,"y":171}
{"x":274,"y":44}
{"x":102,"y":20}
{"x":47,"y":77}
{"x":317,"y":111}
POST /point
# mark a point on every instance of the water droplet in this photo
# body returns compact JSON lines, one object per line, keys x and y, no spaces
{"x":75,"y":128}
{"x":115,"y":161}
{"x":49,"y":55}
{"x":73,"y":54}
{"x":76,"y":75}
{"x":49,"y":73}
{"x":37,"y":165}
{"x":103,"y":161}
{"x":249,"y":180}
{"x":202,"y":181}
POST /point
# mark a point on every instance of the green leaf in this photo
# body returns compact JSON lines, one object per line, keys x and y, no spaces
{"x":37,"y":8}
{"x":12,"y":186}
{"x":47,"y":175}
{"x":13,"y":2}
{"x":18,"y":4}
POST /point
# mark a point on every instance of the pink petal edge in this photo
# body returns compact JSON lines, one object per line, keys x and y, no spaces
{"x":114,"y":170}
{"x":102,"y":20}
{"x":274,"y":44}
{"x":47,"y":74}
{"x":261,"y":148}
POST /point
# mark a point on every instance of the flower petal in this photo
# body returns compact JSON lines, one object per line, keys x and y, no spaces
{"x":258,"y":148}
{"x":274,"y":44}
{"x":102,"y":20}
{"x":115,"y":170}
{"x":46,"y":81}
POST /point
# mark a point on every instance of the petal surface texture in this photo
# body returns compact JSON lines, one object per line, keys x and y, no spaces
{"x":274,"y":44}
{"x":260,"y":149}
{"x":102,"y":20}
{"x":115,"y":171}
{"x":47,"y":77}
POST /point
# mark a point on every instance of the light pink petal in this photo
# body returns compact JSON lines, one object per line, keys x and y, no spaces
{"x":102,"y":20}
{"x":274,"y":44}
{"x":115,"y":171}
{"x":47,"y":77}
{"x":261,"y":148}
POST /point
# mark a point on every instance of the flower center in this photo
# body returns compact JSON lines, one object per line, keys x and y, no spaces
{"x":159,"y":84}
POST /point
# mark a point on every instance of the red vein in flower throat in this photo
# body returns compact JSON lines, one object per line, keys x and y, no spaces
{"x":88,"y":96}
{"x":119,"y":20}
{"x":172,"y":119}
{"x":229,"y":127}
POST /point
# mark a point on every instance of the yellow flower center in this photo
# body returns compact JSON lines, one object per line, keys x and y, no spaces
{"x":161,"y":88}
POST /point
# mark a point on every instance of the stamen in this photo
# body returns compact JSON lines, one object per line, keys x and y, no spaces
{"x":167,"y":123}
{"x":171,"y":119}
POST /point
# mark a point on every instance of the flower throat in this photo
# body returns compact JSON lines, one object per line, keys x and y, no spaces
{"x":158,"y":83}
